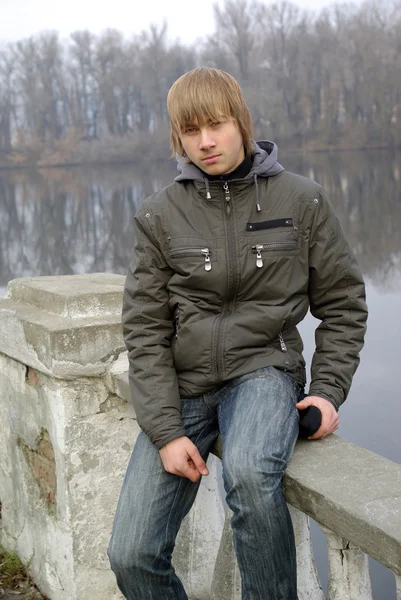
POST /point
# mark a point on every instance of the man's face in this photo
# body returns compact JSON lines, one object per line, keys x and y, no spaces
{"x":215,"y":147}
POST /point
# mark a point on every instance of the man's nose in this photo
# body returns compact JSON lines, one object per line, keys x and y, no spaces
{"x":206,"y":140}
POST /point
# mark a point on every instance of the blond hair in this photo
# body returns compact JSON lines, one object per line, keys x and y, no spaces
{"x":205,"y":95}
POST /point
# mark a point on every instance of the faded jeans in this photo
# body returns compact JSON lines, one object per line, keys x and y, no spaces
{"x":258,"y":422}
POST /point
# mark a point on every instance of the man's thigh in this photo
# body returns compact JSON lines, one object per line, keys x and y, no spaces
{"x":258,"y":421}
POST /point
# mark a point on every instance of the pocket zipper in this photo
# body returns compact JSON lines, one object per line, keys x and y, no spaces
{"x":176,"y":321}
{"x":259,"y":248}
{"x":282,"y":342}
{"x":205,"y":252}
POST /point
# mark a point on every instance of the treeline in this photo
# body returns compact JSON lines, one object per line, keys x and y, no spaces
{"x":331,"y":79}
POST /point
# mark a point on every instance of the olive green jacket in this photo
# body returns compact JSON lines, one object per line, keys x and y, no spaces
{"x":220,"y":278}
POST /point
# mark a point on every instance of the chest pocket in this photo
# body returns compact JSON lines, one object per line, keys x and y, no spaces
{"x":196,"y":267}
{"x":274,"y":237}
{"x":193,"y":254}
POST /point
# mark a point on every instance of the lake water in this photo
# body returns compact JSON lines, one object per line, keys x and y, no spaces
{"x":79,"y":220}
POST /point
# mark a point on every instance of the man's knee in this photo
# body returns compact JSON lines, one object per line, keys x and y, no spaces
{"x":126,"y":555}
{"x":253,"y":479}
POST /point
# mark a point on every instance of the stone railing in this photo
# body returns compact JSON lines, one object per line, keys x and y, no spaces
{"x":67,"y":429}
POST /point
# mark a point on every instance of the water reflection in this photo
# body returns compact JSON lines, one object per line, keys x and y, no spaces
{"x":365,"y":189}
{"x":59,"y":221}
{"x":68,"y":220}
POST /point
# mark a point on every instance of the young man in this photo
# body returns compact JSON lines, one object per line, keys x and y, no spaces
{"x":227,"y":261}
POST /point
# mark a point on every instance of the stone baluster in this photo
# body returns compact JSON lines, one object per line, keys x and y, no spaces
{"x":309,"y":587}
{"x":348,"y":570}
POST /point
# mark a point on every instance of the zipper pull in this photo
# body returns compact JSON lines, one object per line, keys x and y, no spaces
{"x":282,"y":342}
{"x":227,"y":197}
{"x":259,"y":260}
{"x":176,"y":321}
{"x":208,"y":263}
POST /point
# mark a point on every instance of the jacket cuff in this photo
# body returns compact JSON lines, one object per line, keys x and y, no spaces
{"x":160,"y":436}
{"x":332,"y":398}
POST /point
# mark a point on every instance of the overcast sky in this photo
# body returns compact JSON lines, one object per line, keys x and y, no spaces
{"x":187,"y":19}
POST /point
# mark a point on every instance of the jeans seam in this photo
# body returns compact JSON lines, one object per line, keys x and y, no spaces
{"x":204,"y":396}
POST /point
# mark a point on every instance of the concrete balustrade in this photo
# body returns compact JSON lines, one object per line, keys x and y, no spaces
{"x":67,"y":431}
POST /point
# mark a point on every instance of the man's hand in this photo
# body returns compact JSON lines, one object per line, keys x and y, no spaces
{"x":329,"y":415}
{"x":181,"y":457}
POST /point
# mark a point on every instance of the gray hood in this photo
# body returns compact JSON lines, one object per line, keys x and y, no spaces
{"x":264,"y":164}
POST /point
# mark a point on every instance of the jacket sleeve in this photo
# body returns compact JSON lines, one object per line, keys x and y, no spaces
{"x":147,"y":329}
{"x":337,"y":297}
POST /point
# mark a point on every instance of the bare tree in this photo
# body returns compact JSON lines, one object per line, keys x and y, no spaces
{"x":7,"y":100}
{"x":236,"y":29}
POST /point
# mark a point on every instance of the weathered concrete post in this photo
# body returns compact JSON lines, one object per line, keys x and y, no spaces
{"x":64,"y":442}
{"x":67,"y":428}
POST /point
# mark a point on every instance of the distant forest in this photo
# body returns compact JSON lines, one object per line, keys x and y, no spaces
{"x":312,"y":80}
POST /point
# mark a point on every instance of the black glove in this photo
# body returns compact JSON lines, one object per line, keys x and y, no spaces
{"x":310,"y":419}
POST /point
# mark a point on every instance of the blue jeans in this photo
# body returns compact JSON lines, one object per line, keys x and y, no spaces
{"x":258,"y":422}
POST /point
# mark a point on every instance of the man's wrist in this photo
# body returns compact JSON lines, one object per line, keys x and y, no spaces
{"x":324,"y":396}
{"x":180,"y":437}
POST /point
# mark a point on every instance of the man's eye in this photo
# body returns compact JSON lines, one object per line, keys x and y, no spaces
{"x":215,"y":123}
{"x":190,"y":129}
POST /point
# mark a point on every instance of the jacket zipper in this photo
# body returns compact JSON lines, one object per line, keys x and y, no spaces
{"x":205,"y":252}
{"x":227,"y":197}
{"x":232,"y":282}
{"x":259,"y":248}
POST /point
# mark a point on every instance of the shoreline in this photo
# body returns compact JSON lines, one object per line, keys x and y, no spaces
{"x":140,"y":161}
